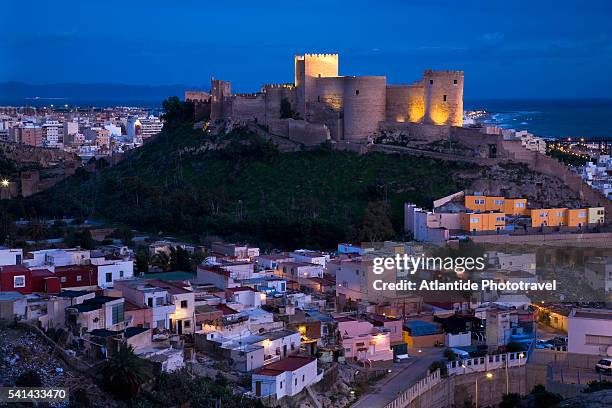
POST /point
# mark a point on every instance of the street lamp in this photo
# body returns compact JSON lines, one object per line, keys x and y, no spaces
{"x":4,"y":183}
{"x":488,"y":376}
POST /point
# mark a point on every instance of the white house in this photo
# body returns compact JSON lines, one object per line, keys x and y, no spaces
{"x":110,"y":271}
{"x":246,"y":296}
{"x":286,"y":377}
{"x":58,"y":257}
{"x":142,"y":293}
{"x":301,"y":270}
{"x":10,"y":256}
{"x":590,"y":332}
{"x":308,"y":256}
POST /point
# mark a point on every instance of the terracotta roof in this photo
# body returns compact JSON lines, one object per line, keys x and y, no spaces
{"x":13,"y":268}
{"x":290,"y":363}
{"x":226,"y":309}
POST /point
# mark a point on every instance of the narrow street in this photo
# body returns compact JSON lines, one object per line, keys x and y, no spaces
{"x":404,"y":375}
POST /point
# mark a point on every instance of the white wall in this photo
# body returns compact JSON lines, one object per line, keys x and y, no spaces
{"x":9,"y":256}
{"x":578,"y":328}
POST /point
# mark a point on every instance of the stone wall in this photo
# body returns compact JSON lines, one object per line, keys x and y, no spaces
{"x":249,"y":107}
{"x":306,"y":133}
{"x":405,"y":103}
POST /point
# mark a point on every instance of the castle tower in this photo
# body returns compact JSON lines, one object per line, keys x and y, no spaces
{"x":443,"y":97}
{"x":219,"y":90}
{"x":308,"y":67}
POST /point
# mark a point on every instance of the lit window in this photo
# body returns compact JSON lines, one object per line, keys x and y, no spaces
{"x":79,"y":278}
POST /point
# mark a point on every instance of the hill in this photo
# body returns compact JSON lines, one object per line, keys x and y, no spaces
{"x":192,"y":184}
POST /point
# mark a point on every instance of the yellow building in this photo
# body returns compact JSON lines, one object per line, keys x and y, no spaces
{"x":596,"y":215}
{"x":490,"y":221}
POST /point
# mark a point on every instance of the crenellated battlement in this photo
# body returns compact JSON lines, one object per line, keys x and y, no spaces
{"x":331,"y":55}
{"x":277,"y":86}
{"x":432,"y":72}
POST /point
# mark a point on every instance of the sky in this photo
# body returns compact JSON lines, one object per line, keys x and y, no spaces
{"x":508,"y":49}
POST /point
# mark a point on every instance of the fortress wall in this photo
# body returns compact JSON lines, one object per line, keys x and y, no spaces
{"x":417,"y":131}
{"x":438,"y":86}
{"x":405,"y":103}
{"x":364,"y":106}
{"x":274,"y":94}
{"x":249,"y":107}
{"x":330,"y":92}
{"x":309,"y":134}
{"x":196,"y":96}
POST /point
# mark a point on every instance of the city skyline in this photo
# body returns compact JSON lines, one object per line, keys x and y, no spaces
{"x":554,"y":50}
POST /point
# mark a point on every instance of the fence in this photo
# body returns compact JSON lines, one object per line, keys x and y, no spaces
{"x":486,"y":363}
{"x":416,"y":390}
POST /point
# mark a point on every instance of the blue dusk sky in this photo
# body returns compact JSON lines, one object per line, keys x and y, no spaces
{"x":508,"y":49}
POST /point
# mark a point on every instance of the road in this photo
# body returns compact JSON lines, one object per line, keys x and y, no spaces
{"x":403,"y":376}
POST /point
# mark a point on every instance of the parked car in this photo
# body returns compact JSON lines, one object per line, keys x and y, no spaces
{"x":541,"y":344}
{"x":401,"y":358}
{"x":604,"y":366}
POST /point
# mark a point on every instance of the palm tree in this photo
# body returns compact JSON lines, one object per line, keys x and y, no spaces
{"x":38,"y":230}
{"x":125,"y":373}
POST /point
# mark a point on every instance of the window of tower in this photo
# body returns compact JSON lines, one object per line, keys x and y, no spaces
{"x":319,"y":75}
{"x":356,"y":91}
{"x":454,"y":82}
{"x":444,"y":98}
{"x":431,"y":82}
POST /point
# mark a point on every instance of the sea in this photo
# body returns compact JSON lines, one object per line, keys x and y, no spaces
{"x":551,"y":118}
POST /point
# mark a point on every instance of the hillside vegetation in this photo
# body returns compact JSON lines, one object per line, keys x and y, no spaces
{"x":192,"y":184}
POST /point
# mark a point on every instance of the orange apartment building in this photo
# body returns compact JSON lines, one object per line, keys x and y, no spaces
{"x":509,"y":206}
{"x":559,"y":217}
{"x":489,"y":221}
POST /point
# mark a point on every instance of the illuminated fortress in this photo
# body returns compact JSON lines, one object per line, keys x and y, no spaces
{"x":343,"y":108}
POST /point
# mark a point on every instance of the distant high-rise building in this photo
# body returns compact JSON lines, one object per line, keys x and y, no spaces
{"x":53,"y":133}
{"x":142,"y":128}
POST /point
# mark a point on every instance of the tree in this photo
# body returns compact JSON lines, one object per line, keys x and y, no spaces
{"x":162,"y":261}
{"x":142,"y":259}
{"x":511,"y":400}
{"x":38,"y":230}
{"x":179,"y":259}
{"x":125,"y":373}
{"x":376,"y":225}
{"x":439,"y":365}
{"x":126,"y":235}
{"x":80,"y":238}
{"x":450,"y":354}
{"x":542,"y":398}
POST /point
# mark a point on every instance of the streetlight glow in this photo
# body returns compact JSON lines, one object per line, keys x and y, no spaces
{"x":489,"y":375}
{"x":5,"y":183}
